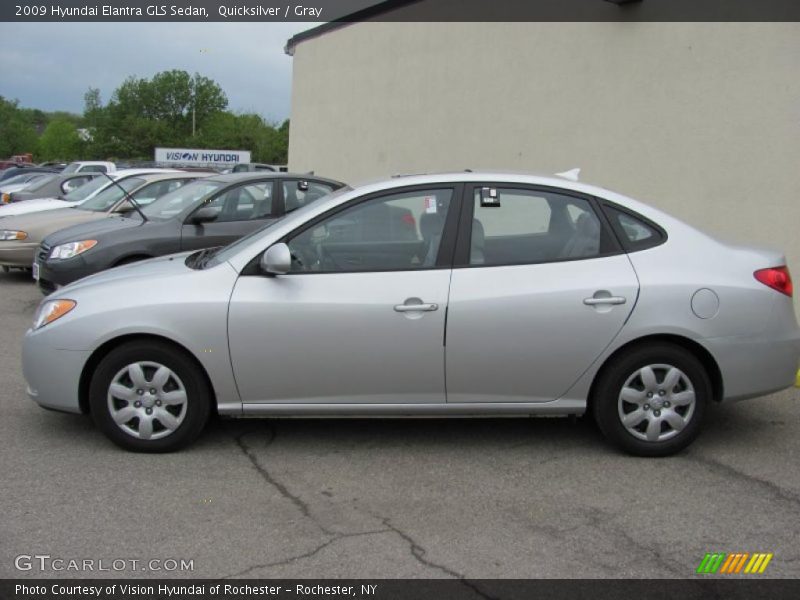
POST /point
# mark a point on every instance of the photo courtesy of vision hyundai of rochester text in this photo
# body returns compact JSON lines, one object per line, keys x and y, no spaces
{"x":463,"y":294}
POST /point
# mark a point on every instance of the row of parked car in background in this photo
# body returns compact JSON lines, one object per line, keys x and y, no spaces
{"x":127,"y":215}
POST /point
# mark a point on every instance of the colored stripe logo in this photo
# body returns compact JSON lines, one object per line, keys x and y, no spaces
{"x":722,"y":563}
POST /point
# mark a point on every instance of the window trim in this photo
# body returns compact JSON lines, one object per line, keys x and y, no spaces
{"x":447,"y":245}
{"x":622,"y":238}
{"x":462,"y":256}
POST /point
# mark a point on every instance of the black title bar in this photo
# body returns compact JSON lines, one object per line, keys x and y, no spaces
{"x":400,"y":10}
{"x":701,"y":588}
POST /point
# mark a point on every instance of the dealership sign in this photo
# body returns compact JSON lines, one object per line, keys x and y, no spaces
{"x":197,"y":156}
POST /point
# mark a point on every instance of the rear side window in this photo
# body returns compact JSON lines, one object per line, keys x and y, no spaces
{"x":524,"y":226}
{"x":298,"y":193}
{"x":635,"y":232}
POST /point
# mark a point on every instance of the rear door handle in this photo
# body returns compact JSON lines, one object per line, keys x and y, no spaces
{"x":608,"y":300}
{"x":404,"y":308}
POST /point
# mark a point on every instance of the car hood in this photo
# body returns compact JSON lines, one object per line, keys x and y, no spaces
{"x":50,"y":220}
{"x":29,"y":206}
{"x":149,"y":270}
{"x":92,"y":230}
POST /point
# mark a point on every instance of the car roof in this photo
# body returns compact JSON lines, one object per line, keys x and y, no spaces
{"x":169,"y":175}
{"x":260,"y":175}
{"x":121,"y":173}
{"x":468,"y":176}
{"x":544,"y":180}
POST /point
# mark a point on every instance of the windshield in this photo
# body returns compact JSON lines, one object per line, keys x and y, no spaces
{"x":222,"y":254}
{"x":174,"y":203}
{"x":87,"y":190}
{"x":106,"y":199}
{"x":71,"y":167}
{"x":39,"y":183}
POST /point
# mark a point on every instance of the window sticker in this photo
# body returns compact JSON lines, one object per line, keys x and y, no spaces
{"x":489,"y":197}
{"x":430,"y":204}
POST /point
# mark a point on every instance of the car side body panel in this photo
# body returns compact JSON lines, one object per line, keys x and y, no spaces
{"x":153,"y":304}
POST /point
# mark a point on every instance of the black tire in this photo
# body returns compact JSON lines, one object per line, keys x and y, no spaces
{"x":607,"y":405}
{"x":197,"y":395}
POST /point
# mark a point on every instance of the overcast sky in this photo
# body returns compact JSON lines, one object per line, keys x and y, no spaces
{"x":50,"y":65}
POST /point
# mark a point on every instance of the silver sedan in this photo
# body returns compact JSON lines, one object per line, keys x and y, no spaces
{"x":469,"y":294}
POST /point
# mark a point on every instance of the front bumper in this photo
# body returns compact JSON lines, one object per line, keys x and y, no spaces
{"x":17,"y":254}
{"x":54,"y":274}
{"x":755,"y":366}
{"x":52,"y":375}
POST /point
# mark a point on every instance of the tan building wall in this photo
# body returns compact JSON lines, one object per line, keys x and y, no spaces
{"x":699,"y":119}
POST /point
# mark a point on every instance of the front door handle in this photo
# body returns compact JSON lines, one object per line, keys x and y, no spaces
{"x":607,"y":300}
{"x":404,"y":308}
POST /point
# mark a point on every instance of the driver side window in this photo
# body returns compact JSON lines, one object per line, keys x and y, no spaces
{"x":399,"y":232}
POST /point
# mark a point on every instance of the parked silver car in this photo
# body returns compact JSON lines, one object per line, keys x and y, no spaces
{"x":456,"y":294}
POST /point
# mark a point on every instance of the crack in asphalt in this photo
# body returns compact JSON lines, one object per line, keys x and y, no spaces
{"x":726,"y":470}
{"x":308,"y":554}
{"x":416,"y":550}
{"x":267,"y":476}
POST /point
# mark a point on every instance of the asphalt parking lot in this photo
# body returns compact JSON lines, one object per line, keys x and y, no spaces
{"x":385,"y":499}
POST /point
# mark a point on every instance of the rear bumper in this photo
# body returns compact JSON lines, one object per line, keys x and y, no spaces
{"x":52,"y":375}
{"x":754,"y":366}
{"x":15,"y":254}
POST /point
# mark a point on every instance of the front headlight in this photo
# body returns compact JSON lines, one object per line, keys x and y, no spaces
{"x":72,"y":249}
{"x":8,"y":235}
{"x":6,"y":198}
{"x":50,"y":310}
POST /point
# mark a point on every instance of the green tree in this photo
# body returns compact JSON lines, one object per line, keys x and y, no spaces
{"x":17,"y":133}
{"x":60,"y":141}
{"x":229,"y":131}
{"x":145,"y":113}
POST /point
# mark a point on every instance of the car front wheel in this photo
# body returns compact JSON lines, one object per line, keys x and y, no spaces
{"x":651,"y":400}
{"x":148,"y":396}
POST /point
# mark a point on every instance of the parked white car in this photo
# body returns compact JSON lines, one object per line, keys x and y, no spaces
{"x":84,"y":192}
{"x":91,"y":166}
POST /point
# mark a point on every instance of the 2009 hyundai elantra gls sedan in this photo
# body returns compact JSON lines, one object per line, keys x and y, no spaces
{"x":469,"y":294}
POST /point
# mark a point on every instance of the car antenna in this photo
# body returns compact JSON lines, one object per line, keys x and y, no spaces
{"x":128,"y":197}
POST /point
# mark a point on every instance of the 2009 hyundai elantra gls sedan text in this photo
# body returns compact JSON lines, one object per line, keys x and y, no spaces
{"x":457,"y":294}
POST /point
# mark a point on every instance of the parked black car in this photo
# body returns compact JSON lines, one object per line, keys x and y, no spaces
{"x":56,"y":187}
{"x":204,"y":214}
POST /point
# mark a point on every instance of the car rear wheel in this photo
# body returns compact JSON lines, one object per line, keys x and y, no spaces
{"x":148,"y":396}
{"x":651,"y":400}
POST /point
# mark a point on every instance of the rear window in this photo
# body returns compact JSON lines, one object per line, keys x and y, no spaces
{"x":635,"y":232}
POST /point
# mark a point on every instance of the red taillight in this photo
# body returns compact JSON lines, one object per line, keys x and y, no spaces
{"x":408,"y":219}
{"x":778,"y":278}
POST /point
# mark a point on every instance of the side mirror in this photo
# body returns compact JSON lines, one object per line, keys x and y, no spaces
{"x":276,"y":260}
{"x":204,"y":215}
